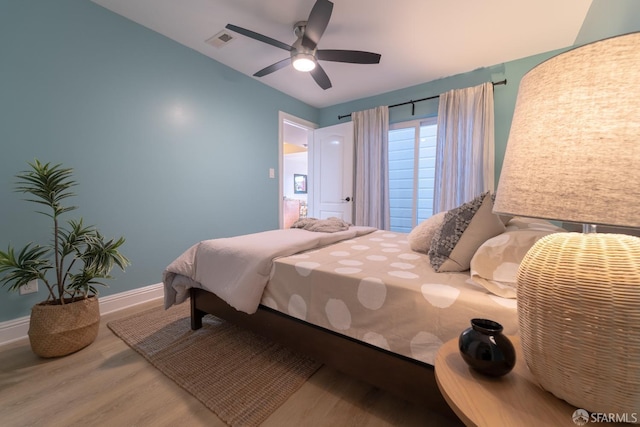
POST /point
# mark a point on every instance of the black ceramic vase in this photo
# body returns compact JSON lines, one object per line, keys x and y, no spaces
{"x":486,"y":349}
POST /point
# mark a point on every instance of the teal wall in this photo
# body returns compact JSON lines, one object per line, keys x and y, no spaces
{"x":170,"y":147}
{"x":85,"y":87}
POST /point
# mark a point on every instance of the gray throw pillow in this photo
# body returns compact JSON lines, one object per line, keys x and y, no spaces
{"x":462,"y":232}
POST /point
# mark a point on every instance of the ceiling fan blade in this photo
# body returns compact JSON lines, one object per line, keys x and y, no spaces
{"x":259,"y":37}
{"x":317,"y":23}
{"x":351,"y":56}
{"x":273,"y":67}
{"x":321,"y":77}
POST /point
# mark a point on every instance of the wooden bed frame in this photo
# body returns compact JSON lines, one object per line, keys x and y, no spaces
{"x":407,"y":378}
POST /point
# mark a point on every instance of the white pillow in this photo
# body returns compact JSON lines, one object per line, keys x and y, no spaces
{"x":524,"y":223}
{"x":495,"y":264}
{"x":422,"y":234}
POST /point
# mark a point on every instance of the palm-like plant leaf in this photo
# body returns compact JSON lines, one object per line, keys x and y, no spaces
{"x":83,"y":282}
{"x":73,"y":238}
{"x":100,"y":256}
{"x":30,"y":264}
{"x":49,"y":184}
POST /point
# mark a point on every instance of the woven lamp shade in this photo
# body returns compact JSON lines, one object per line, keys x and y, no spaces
{"x":574,"y":147}
{"x":574,"y":155}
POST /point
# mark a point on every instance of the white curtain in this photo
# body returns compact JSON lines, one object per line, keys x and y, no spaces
{"x":465,"y":146}
{"x":371,"y":136}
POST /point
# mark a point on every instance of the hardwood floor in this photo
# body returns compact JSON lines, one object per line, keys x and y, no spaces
{"x":108,"y":384}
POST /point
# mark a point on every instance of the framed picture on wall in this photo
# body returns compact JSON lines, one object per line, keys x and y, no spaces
{"x":299,"y":183}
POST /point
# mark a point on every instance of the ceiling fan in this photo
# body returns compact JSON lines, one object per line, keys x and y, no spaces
{"x":304,"y":53}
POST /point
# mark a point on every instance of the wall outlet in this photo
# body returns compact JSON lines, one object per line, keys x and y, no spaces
{"x":29,"y":288}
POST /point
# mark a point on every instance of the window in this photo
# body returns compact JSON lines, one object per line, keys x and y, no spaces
{"x":412,"y":158}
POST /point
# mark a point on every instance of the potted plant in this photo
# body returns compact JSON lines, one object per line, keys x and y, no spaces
{"x":78,"y":258}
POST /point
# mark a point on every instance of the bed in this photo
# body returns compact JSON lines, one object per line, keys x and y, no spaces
{"x":363,"y":301}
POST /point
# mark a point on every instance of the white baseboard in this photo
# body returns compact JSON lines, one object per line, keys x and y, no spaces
{"x":116,"y":302}
{"x":16,"y":329}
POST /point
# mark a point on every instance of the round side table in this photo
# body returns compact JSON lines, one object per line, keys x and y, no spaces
{"x":514,"y":399}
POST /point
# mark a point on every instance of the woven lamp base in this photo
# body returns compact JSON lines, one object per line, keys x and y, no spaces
{"x":579,"y":318}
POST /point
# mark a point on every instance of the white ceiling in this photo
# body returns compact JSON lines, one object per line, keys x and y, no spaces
{"x":419,"y":40}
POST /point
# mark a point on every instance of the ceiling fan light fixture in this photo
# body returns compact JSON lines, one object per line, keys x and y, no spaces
{"x":304,"y":62}
{"x":304,"y":53}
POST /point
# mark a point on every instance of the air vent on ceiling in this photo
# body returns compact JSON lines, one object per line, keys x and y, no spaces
{"x":221,"y":39}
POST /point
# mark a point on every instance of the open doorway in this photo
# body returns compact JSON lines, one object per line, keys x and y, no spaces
{"x":296,"y":136}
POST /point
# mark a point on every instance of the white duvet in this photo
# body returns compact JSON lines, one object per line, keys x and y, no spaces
{"x":237,"y":269}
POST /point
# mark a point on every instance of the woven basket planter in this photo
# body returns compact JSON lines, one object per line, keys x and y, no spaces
{"x":59,"y":330}
{"x":579,"y":319}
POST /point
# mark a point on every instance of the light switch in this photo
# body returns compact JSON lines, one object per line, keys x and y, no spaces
{"x":272,"y":173}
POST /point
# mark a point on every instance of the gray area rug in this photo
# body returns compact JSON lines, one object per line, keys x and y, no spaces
{"x":239,"y":375}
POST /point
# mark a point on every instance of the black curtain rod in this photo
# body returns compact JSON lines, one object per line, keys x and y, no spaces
{"x":412,"y":102}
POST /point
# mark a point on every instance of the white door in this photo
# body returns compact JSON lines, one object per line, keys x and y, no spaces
{"x":331,"y":172}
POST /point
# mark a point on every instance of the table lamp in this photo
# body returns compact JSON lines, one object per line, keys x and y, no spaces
{"x":574,"y":155}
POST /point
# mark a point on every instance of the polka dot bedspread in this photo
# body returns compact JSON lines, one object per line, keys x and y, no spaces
{"x":375,"y":289}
